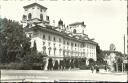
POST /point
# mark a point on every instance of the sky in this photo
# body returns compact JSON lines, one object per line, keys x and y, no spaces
{"x":106,"y":21}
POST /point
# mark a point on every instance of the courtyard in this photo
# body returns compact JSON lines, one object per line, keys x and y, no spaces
{"x":61,"y":76}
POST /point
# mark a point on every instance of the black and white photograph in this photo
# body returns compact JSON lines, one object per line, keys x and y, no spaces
{"x":63,"y":41}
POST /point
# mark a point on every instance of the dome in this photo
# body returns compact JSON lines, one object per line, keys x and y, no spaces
{"x":60,"y":22}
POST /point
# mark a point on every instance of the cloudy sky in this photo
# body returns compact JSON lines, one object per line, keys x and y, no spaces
{"x":106,"y":20}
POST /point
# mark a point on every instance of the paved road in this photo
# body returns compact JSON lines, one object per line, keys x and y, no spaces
{"x":74,"y":75}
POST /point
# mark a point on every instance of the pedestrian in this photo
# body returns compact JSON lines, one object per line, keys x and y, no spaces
{"x":97,"y":68}
{"x":105,"y":68}
{"x":92,"y":69}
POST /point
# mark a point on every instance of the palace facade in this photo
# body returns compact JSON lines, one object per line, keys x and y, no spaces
{"x":57,"y":41}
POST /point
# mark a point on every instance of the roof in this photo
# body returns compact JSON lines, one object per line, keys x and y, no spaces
{"x":33,"y":4}
{"x":77,"y":23}
{"x":65,"y":35}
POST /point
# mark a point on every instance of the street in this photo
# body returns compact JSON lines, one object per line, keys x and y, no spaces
{"x":60,"y":76}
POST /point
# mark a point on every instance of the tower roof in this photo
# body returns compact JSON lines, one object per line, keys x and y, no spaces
{"x":33,"y":4}
{"x":60,"y":22}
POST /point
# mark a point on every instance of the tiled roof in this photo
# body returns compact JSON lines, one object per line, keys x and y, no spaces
{"x":33,"y":4}
{"x":64,"y":34}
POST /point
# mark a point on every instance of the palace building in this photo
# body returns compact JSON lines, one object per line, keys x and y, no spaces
{"x":57,"y":41}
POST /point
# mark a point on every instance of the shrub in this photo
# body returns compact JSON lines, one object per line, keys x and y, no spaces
{"x":17,"y":66}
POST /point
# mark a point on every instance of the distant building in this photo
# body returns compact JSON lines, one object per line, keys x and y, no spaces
{"x":57,"y":42}
{"x":116,"y":61}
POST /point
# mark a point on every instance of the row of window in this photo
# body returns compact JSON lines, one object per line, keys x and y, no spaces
{"x":91,"y":52}
{"x":68,"y":52}
{"x":30,"y":17}
{"x":64,"y":42}
{"x":37,"y":8}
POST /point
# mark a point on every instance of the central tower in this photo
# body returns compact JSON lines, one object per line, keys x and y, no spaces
{"x":35,"y":14}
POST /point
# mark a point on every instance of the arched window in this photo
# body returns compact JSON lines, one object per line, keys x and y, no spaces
{"x":24,"y":17}
{"x":41,"y":17}
{"x":74,"y":31}
{"x":29,"y":16}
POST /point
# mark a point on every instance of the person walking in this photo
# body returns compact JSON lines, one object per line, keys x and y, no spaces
{"x":97,"y":68}
{"x":105,"y":68}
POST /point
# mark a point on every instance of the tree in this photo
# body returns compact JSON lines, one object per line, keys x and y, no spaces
{"x":34,"y":48}
{"x":15,"y":46}
{"x":50,"y":64}
{"x":12,"y":39}
{"x":91,"y":61}
{"x":100,"y":55}
{"x":67,"y":63}
{"x":76,"y":63}
{"x":72,"y":63}
{"x":56,"y":66}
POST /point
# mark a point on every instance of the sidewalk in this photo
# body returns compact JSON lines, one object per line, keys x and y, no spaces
{"x":109,"y":72}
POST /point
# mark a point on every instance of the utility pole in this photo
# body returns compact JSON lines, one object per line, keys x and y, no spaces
{"x":127,"y":28}
{"x":124,"y":44}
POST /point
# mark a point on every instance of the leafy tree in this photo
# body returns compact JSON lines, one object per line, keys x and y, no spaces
{"x":91,"y":61}
{"x":12,"y":39}
{"x":100,"y":55}
{"x":50,"y":64}
{"x":15,"y":46}
{"x":76,"y":62}
{"x":72,"y":63}
{"x":67,"y":62}
{"x":56,"y":65}
{"x":63,"y":63}
{"x":34,"y":49}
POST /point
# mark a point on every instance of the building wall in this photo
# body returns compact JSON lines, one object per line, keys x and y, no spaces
{"x":35,"y":11}
{"x":64,"y":47}
{"x":61,"y":46}
{"x":79,"y":28}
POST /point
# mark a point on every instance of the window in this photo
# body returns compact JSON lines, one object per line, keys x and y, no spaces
{"x":74,"y":31}
{"x":43,"y":36}
{"x":47,"y":18}
{"x":41,"y":17}
{"x":64,"y":42}
{"x":43,"y":43}
{"x":49,"y":38}
{"x":24,"y":17}
{"x":59,"y":39}
{"x":49,"y":43}
{"x":44,"y":49}
{"x":54,"y":50}
{"x":29,"y":16}
{"x":54,"y":39}
{"x":71,"y":44}
{"x":75,"y":44}
{"x":67,"y":43}
{"x":40,"y":10}
{"x":30,"y":35}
